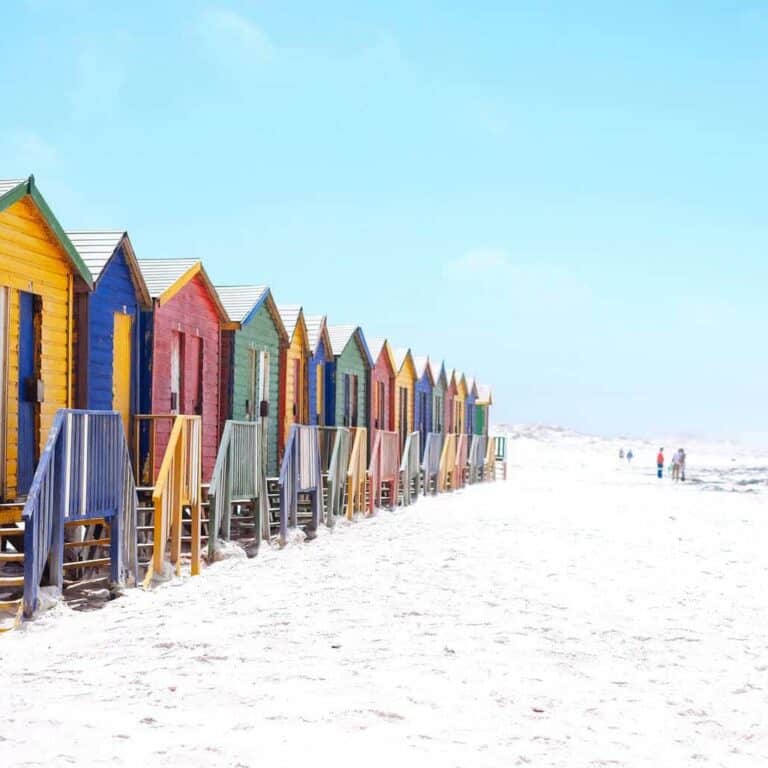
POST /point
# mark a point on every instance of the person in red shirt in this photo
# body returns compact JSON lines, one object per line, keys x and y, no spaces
{"x":660,"y":463}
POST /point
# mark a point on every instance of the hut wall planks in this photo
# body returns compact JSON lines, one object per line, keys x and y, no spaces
{"x":32,"y":260}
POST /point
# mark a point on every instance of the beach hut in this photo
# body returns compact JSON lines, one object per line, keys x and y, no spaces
{"x":405,"y":385}
{"x":321,"y":355}
{"x":294,"y":365}
{"x":422,"y":407}
{"x":482,"y":409}
{"x":181,"y":354}
{"x":382,"y":385}
{"x":41,"y":276}
{"x":108,"y":333}
{"x":469,"y":409}
{"x":251,"y":353}
{"x":347,"y":377}
{"x":438,"y":399}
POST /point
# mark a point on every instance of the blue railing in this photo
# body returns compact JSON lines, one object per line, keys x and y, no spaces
{"x":477,"y":456}
{"x":300,"y":473}
{"x":83,"y":473}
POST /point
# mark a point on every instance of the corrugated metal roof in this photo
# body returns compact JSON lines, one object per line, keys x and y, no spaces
{"x":314,"y":329}
{"x":239,"y":300}
{"x":6,"y":185}
{"x":289,"y":314}
{"x":161,"y":274}
{"x":340,"y":336}
{"x":96,"y":248}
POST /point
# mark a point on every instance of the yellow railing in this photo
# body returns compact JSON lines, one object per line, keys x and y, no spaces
{"x":356,"y":473}
{"x":177,"y":487}
{"x":446,"y":473}
{"x":490,"y":461}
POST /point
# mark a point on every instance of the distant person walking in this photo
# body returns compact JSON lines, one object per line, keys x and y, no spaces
{"x":682,"y":464}
{"x":630,"y":456}
{"x":621,"y":453}
{"x":660,"y":463}
{"x":676,"y":465}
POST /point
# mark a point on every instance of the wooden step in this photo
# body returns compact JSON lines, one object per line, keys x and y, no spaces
{"x":87,"y":543}
{"x":10,"y":513}
{"x":11,"y":531}
{"x":98,"y":562}
{"x":89,"y":521}
{"x":11,"y":557}
{"x":10,"y":605}
{"x":11,"y":581}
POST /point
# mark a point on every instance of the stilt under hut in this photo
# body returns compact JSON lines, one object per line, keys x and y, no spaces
{"x":294,"y":388}
{"x":181,"y":359}
{"x":108,"y":329}
{"x":425,"y":384}
{"x":321,"y":355}
{"x":250,"y":361}
{"x":382,"y":385}
{"x":405,"y":384}
{"x":347,"y":377}
{"x":41,"y":276}
{"x":438,"y":399}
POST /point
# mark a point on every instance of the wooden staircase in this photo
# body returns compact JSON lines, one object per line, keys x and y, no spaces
{"x":145,"y":527}
{"x":11,"y":565}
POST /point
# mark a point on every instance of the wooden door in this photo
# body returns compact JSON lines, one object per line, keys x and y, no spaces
{"x":3,"y":386}
{"x":121,"y":368}
{"x":402,"y":426}
{"x":30,"y":389}
{"x":319,"y":395}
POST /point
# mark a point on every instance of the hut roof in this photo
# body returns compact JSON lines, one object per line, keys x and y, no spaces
{"x":165,"y":277}
{"x":317,"y":330}
{"x":340,"y":336}
{"x":97,"y":247}
{"x":423,"y":366}
{"x":11,"y":191}
{"x":241,"y":300}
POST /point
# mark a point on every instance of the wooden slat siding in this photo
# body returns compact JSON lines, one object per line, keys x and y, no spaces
{"x":226,"y":377}
{"x":382,"y":373}
{"x":320,"y":357}
{"x":459,"y":405}
{"x":423,"y":385}
{"x":450,"y":394}
{"x":469,"y":418}
{"x":115,"y":292}
{"x":406,"y":378}
{"x":259,"y":333}
{"x":192,"y":311}
{"x":32,"y":260}
{"x":351,"y":361}
{"x":296,"y":351}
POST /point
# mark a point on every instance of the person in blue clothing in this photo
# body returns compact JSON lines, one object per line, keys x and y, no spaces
{"x":630,"y":456}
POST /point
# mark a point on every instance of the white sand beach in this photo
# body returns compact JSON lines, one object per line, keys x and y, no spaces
{"x":581,"y":614}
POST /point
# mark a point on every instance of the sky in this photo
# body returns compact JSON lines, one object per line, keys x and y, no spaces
{"x":565,"y":200}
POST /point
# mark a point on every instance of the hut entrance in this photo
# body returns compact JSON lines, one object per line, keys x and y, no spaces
{"x":30,"y":388}
{"x":121,"y":368}
{"x":402,"y":426}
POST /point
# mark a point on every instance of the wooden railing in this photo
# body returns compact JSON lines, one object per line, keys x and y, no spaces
{"x":83,"y":474}
{"x":384,"y":466}
{"x":357,"y":473}
{"x":300,"y":473}
{"x":177,"y":488}
{"x":477,"y":457}
{"x":326,"y":437}
{"x":144,"y":444}
{"x":410,"y":471}
{"x":338,"y":464}
{"x":489,"y":471}
{"x":447,"y":471}
{"x":430,"y":463}
{"x":462,"y":454}
{"x":237,"y":476}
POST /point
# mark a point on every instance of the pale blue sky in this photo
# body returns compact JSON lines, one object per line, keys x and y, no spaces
{"x":565,"y":199}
